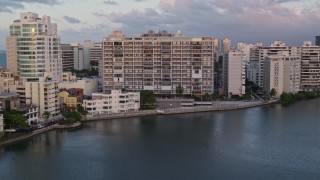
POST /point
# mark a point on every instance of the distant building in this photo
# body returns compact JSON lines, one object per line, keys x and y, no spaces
{"x":282,"y":72}
{"x":317,"y":40}
{"x":158,"y":62}
{"x":115,"y":102}
{"x":69,"y":81}
{"x":226,"y":46}
{"x":72,"y":57}
{"x":96,"y":56}
{"x":234,"y":74}
{"x":33,"y":47}
{"x":310,"y":67}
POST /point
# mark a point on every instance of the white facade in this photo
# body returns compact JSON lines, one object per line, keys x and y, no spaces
{"x":116,"y":102}
{"x":159,"y":62}
{"x":282,"y":72}
{"x":33,"y":47}
{"x":273,"y":75}
{"x":43,"y":94}
{"x":89,"y":85}
{"x":234,"y":73}
{"x":87,"y":46}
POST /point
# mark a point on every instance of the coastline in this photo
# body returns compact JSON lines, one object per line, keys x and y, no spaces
{"x":198,"y":109}
{"x":38,"y":132}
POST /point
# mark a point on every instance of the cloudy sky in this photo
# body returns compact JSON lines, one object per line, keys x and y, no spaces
{"x":291,"y":21}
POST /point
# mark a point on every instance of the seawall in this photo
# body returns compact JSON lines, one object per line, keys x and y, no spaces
{"x":38,"y":132}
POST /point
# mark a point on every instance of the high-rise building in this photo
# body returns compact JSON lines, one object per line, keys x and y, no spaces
{"x":96,"y":57}
{"x":317,"y":40}
{"x":234,"y":75}
{"x":282,"y":72}
{"x":310,"y":67}
{"x":72,"y":57}
{"x":33,"y":47}
{"x":159,"y":62}
{"x":226,"y":45}
{"x":87,"y":46}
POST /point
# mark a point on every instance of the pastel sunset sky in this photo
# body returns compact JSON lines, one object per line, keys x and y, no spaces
{"x":250,"y":21}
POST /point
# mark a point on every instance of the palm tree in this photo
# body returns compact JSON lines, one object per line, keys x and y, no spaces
{"x":46,"y":115}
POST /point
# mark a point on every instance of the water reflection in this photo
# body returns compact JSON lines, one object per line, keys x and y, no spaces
{"x":273,"y":142}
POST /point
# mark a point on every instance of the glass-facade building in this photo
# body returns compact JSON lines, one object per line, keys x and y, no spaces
{"x":33,"y":48}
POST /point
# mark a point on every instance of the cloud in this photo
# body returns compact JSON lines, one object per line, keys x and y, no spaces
{"x":241,"y":20}
{"x":95,"y":33}
{"x":110,"y":2}
{"x":49,"y":2}
{"x":71,"y":20}
{"x":8,"y":6}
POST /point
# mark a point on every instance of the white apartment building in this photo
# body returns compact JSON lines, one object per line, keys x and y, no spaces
{"x":310,"y":67}
{"x":43,"y":94}
{"x":87,"y":46}
{"x":33,"y":47}
{"x":282,"y":72}
{"x":158,"y":62}
{"x":234,"y":75}
{"x":115,"y":102}
{"x":72,"y":57}
{"x":273,"y":49}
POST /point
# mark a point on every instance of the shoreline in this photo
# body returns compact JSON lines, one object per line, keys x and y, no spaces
{"x":172,"y":111}
{"x":38,"y":132}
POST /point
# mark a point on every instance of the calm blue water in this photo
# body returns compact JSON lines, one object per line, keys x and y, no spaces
{"x":272,"y":142}
{"x":3,"y":61}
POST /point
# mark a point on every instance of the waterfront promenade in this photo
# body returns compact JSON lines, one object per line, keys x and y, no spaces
{"x":38,"y":132}
{"x":216,"y":106}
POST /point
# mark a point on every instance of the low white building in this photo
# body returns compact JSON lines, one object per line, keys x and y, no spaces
{"x":43,"y":94}
{"x":115,"y":102}
{"x":31,"y":113}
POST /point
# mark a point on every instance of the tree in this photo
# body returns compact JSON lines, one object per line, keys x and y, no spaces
{"x":207,"y":97}
{"x":147,"y":99}
{"x":215,"y":96}
{"x":273,"y":92}
{"x":14,"y":119}
{"x":46,"y":115}
{"x":81,"y":110}
{"x":73,"y":116}
{"x":179,"y":91}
